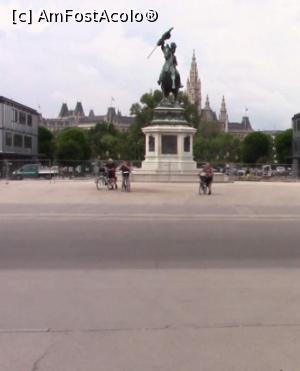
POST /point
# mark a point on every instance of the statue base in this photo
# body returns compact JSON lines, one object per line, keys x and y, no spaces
{"x":169,"y":141}
{"x":169,"y":149}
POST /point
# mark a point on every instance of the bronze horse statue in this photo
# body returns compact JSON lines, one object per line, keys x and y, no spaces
{"x":169,"y":78}
{"x":167,"y":84}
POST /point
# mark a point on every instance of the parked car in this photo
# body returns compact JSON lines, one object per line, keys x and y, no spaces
{"x":280,"y":170}
{"x":35,"y":171}
{"x":267,"y":170}
{"x":241,"y":172}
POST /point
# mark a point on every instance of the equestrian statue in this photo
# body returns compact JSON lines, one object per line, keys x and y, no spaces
{"x":169,"y":78}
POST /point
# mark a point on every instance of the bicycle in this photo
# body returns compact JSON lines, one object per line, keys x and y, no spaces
{"x":111,"y":183}
{"x":202,"y":184}
{"x":126,"y":182}
{"x":101,"y":182}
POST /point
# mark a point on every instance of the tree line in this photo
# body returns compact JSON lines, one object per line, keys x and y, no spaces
{"x":210,"y":143}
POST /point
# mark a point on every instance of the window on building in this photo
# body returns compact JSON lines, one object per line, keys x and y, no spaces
{"x":298,"y":125}
{"x":14,"y":115}
{"x":8,"y":139}
{"x":27,"y":142}
{"x":29,"y":120}
{"x":22,"y":118}
{"x":18,"y":140}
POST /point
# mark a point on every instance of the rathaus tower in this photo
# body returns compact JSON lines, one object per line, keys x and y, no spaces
{"x":194,"y":85}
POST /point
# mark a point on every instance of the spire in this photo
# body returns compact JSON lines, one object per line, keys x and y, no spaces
{"x":223,"y":116}
{"x":194,"y":85}
{"x":207,"y":105}
{"x":79,"y":110}
{"x":246,"y":123}
{"x":111,"y":115}
{"x":91,"y":114}
{"x":64,"y":111}
{"x":223,"y":105}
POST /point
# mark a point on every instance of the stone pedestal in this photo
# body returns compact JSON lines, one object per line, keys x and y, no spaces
{"x":169,"y":148}
{"x":169,"y":141}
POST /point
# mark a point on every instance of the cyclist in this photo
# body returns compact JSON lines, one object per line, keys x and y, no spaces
{"x":209,"y":172}
{"x":103,"y":173}
{"x":126,"y":170}
{"x":111,"y":173}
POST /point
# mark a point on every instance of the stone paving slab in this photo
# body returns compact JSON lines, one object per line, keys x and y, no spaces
{"x":84,"y":192}
{"x":150,"y":320}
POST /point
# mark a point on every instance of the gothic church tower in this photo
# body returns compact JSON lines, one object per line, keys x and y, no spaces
{"x":223,"y":116}
{"x":194,"y":85}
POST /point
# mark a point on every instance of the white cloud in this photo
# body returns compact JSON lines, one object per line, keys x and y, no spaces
{"x":245,"y":50}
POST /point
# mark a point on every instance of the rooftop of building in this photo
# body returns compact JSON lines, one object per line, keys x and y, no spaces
{"x":18,"y":105}
{"x":296,"y":116}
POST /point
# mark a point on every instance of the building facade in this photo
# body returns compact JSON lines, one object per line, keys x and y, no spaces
{"x":18,"y":130}
{"x":296,"y":144}
{"x":238,"y":129}
{"x":78,"y":118}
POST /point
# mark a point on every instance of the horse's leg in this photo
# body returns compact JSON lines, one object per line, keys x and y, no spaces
{"x":173,"y":78}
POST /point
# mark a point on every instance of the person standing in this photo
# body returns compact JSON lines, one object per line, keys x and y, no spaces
{"x":111,"y":173}
{"x":209,"y":171}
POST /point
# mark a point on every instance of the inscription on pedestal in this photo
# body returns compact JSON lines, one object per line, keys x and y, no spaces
{"x":169,"y":144}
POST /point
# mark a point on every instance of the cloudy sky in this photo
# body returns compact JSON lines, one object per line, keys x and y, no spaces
{"x":246,"y":50}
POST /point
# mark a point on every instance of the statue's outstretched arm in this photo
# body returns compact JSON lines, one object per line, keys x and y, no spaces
{"x":164,"y":37}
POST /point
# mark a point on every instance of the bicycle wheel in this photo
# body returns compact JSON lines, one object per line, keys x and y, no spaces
{"x":109,"y":184}
{"x":126,"y":184}
{"x":100,"y":184}
{"x":128,"y":187}
{"x":123,"y":188}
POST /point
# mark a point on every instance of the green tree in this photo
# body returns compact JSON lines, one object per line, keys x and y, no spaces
{"x":283,"y":145}
{"x":46,"y":142}
{"x":215,"y":146}
{"x":143,"y":112}
{"x":256,"y":147}
{"x":106,"y":141}
{"x":191,"y":111}
{"x":72,"y":144}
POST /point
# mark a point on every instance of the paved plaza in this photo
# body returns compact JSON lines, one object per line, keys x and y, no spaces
{"x":156,"y":279}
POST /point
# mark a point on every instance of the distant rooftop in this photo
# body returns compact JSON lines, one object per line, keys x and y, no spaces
{"x":18,"y":105}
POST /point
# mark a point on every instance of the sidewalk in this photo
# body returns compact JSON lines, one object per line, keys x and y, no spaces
{"x":170,"y":320}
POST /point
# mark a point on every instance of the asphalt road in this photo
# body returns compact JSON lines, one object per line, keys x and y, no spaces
{"x":158,"y":226}
{"x":62,"y":240}
{"x":84,"y":283}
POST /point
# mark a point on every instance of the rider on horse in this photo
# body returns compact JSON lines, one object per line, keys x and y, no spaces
{"x":170,"y":60}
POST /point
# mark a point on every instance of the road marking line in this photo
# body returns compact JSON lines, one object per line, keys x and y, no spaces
{"x":151,"y":217}
{"x":24,"y":330}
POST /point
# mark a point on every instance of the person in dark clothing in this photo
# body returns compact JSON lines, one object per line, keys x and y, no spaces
{"x":111,"y":173}
{"x":125,"y":168}
{"x":209,"y":173}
